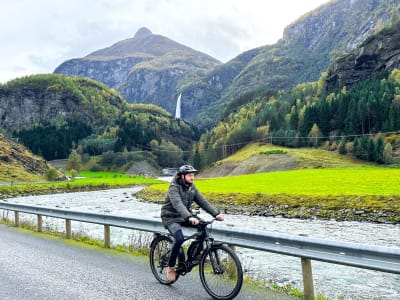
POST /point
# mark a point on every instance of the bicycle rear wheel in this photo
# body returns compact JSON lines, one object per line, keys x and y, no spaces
{"x":159,"y":256}
{"x":221,"y":272}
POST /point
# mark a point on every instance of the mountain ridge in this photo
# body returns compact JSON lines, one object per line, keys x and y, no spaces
{"x":148,"y":68}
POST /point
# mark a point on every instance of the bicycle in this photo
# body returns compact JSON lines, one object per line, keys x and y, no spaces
{"x":220,"y":269}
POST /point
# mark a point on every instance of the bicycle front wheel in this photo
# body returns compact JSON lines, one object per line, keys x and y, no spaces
{"x":159,"y":257}
{"x":221,"y":272}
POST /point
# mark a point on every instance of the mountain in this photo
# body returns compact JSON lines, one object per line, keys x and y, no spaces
{"x":309,"y":45}
{"x":19,"y":164}
{"x":151,"y":68}
{"x":147,"y":68}
{"x":353,"y":108}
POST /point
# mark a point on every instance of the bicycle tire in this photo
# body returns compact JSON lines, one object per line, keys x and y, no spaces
{"x":159,"y":256}
{"x":221,"y":272}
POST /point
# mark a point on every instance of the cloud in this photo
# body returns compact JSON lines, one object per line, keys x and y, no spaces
{"x":37,"y":36}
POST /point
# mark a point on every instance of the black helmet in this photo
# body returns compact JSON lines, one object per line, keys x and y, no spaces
{"x":186,"y":169}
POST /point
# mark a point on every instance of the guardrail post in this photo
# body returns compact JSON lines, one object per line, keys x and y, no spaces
{"x":39,"y":223}
{"x":308,"y":283}
{"x":16,"y":218}
{"x":107,"y":236}
{"x":68,"y":228}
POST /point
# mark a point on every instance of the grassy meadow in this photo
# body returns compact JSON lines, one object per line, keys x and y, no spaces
{"x":340,"y":181}
{"x":85,"y":181}
{"x":369,"y":189}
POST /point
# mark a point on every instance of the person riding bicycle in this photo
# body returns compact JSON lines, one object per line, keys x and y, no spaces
{"x":176,"y":211}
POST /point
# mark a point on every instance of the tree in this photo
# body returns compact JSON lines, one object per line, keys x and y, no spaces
{"x":379,"y":148}
{"x":74,"y":161}
{"x":342,"y":147}
{"x":197,"y":160}
{"x":125,"y":154}
{"x":314,"y":136}
{"x":388,"y":153}
{"x":51,"y":174}
{"x":169,"y":154}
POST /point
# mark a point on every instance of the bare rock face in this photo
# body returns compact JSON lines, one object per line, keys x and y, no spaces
{"x":378,"y":53}
{"x":22,"y":107}
{"x":40,"y":98}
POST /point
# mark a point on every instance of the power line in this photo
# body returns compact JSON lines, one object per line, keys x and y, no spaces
{"x":270,"y":139}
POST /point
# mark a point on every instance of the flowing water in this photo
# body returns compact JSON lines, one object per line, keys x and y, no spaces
{"x":334,"y":281}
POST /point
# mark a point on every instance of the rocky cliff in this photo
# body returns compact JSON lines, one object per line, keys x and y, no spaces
{"x":41,"y":98}
{"x":147,"y":68}
{"x":380,"y":52}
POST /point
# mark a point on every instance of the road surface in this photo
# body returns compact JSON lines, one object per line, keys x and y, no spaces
{"x":35,"y":266}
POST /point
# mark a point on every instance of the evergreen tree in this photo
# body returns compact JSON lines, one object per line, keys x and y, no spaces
{"x":342,"y":147}
{"x":378,"y":153}
{"x":197,"y":160}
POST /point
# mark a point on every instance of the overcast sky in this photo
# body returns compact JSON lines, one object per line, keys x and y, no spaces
{"x":38,"y":35}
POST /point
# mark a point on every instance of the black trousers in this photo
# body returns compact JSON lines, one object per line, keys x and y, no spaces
{"x":176,"y":231}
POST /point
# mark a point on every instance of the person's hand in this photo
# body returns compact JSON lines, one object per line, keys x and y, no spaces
{"x":194,"y":221}
{"x":219,"y":217}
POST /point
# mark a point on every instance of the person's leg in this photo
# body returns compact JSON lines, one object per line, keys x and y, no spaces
{"x":176,"y":231}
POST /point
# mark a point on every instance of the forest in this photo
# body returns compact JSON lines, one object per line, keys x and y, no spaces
{"x":362,"y":120}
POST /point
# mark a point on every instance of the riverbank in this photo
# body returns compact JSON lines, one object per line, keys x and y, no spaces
{"x":362,"y":208}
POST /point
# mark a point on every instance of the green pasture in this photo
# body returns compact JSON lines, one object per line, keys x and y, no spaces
{"x":343,"y":181}
{"x":85,"y":181}
{"x":369,"y":188}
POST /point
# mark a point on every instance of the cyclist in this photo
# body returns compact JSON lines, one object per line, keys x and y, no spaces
{"x":176,"y":211}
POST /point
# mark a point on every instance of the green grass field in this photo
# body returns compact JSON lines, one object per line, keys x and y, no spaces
{"x":341,"y":181}
{"x":369,"y":188}
{"x":86,"y":181}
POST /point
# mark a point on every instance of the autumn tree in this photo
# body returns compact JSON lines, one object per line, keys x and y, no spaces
{"x":74,"y":161}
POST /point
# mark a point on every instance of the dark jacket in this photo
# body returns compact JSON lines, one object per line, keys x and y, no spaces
{"x":178,"y":201}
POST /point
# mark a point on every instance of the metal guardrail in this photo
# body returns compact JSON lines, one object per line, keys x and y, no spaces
{"x":378,"y":258}
{"x":385,"y":259}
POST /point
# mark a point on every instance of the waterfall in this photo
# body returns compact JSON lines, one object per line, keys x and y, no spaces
{"x":178,"y":107}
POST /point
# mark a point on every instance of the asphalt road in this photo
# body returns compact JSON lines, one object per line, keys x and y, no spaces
{"x":34,"y":266}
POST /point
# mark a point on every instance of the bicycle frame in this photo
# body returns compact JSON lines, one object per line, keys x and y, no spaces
{"x":186,"y":263}
{"x":220,"y":269}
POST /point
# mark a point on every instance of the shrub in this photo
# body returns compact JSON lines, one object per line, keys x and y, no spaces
{"x":51,"y":174}
{"x":342,"y":148}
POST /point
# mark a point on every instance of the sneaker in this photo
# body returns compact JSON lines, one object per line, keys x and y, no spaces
{"x":171,"y":274}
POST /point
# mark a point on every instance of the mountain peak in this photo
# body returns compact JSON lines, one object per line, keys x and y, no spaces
{"x":142,"y":33}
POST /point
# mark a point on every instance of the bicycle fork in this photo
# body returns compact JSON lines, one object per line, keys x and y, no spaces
{"x":215,"y":262}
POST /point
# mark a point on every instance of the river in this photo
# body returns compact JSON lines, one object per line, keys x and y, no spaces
{"x":333,"y":281}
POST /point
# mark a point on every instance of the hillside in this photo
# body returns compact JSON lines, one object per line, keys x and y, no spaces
{"x":354,"y":105}
{"x":260,"y":158}
{"x":18,"y":164}
{"x":40,"y":98}
{"x":52,"y":113}
{"x":147,"y":68}
{"x":309,"y":45}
